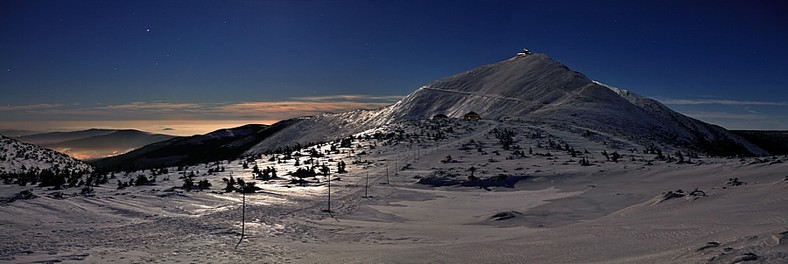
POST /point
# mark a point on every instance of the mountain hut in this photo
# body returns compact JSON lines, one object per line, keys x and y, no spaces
{"x":472,"y":116}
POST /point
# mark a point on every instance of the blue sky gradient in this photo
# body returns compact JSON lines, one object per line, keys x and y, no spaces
{"x":724,"y":62}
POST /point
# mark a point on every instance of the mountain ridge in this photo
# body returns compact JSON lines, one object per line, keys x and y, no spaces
{"x":95,"y":142}
{"x":221,"y":144}
{"x":534,"y":88}
{"x":61,"y":136}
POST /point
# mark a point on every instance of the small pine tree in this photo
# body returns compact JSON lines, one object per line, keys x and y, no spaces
{"x":241,"y":183}
{"x":660,"y":156}
{"x":341,"y":167}
{"x":247,"y":187}
{"x":325,"y":170}
{"x":615,"y":156}
{"x":229,"y":184}
{"x":142,"y":180}
{"x":273,"y":172}
{"x":188,"y":183}
{"x":203,"y":185}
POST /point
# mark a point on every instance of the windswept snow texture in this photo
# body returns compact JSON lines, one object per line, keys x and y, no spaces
{"x":534,"y":88}
{"x":20,"y":157}
{"x":408,"y":194}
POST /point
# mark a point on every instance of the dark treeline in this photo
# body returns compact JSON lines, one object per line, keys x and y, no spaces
{"x":55,"y":177}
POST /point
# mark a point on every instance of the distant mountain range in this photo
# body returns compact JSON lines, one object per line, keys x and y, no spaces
{"x":165,"y":151}
{"x":221,"y":144}
{"x":56,"y":137}
{"x":94,"y":143}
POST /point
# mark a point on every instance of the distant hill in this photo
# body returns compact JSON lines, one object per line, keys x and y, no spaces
{"x":95,"y":143}
{"x":14,"y":133}
{"x":56,"y":137}
{"x":775,"y":142}
{"x":221,"y":144}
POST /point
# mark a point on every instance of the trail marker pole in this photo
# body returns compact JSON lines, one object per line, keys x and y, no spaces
{"x":396,"y":164}
{"x":243,"y":217}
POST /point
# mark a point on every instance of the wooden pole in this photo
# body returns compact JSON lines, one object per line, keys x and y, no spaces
{"x":366,"y":188}
{"x":329,"y":194}
{"x":243,"y":217}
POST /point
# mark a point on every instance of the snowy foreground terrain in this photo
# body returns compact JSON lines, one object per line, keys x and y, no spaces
{"x":424,"y":192}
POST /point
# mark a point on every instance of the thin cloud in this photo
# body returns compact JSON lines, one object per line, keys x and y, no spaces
{"x":151,"y":106}
{"x":742,"y":120}
{"x":719,"y":102}
{"x":357,"y":97}
{"x":304,"y":106}
{"x":158,"y":110}
{"x":289,"y":109}
{"x":28,"y":107}
{"x":723,"y":115}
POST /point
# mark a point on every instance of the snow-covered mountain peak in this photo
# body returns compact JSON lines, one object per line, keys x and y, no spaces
{"x":536,"y":88}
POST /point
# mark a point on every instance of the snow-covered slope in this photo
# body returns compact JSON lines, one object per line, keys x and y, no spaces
{"x":686,"y":126}
{"x":20,"y":157}
{"x":409,"y":191}
{"x":534,"y":88}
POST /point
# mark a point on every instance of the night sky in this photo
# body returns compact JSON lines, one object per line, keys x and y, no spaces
{"x":184,"y":67}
